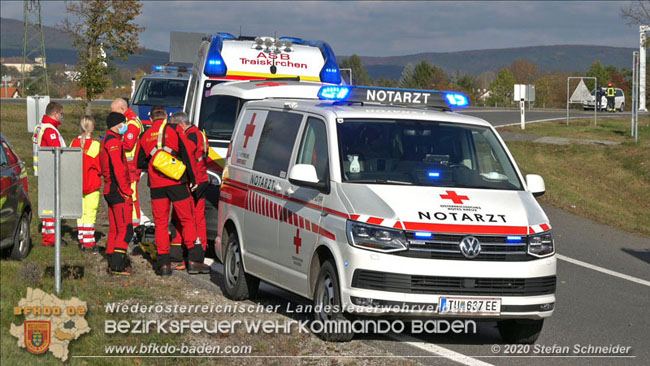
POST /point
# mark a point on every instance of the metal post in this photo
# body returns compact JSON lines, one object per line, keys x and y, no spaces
{"x":634,"y":56}
{"x":642,"y":66}
{"x":596,"y":102}
{"x":522,"y":108}
{"x":567,"y":100}
{"x":57,"y":218}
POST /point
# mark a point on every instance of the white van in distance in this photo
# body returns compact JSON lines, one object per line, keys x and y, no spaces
{"x":360,"y":206}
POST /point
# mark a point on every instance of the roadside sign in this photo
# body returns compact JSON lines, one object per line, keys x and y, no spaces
{"x":71,"y":196}
{"x":35,"y":110}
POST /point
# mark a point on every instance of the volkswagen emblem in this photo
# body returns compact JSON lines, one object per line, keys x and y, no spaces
{"x":470,"y":247}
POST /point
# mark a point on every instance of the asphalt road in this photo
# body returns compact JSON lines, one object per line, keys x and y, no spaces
{"x":593,"y":308}
{"x":62,"y":101}
{"x":500,"y":117}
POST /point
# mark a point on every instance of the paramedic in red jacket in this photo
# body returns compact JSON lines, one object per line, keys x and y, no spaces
{"x":131,"y":139}
{"x":46,"y":134}
{"x":117,"y":193}
{"x":197,"y":145}
{"x":165,"y":191}
{"x":92,"y":183}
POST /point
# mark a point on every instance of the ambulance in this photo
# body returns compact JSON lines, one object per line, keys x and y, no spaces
{"x":166,"y":85}
{"x":363,"y":205}
{"x":230,"y":70}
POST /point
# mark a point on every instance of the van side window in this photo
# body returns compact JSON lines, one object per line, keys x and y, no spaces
{"x":313,"y":148}
{"x":276,"y":143}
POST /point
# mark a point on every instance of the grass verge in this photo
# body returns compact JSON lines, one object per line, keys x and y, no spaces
{"x":610,"y":185}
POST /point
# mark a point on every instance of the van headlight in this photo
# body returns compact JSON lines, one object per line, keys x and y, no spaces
{"x":377,"y":238}
{"x":541,"y":245}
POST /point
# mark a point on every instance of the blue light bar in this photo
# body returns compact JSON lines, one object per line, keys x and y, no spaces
{"x":293,"y":40}
{"x":215,"y":65}
{"x":333,"y":92}
{"x":225,"y":35}
{"x":423,"y":235}
{"x":330,"y":72}
{"x":434,"y":174}
{"x":513,"y":238}
{"x":157,"y":68}
{"x":457,"y":99}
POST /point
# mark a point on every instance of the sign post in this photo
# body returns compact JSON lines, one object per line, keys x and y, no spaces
{"x":61,"y":166}
{"x":524,"y":93}
{"x":35,"y":110}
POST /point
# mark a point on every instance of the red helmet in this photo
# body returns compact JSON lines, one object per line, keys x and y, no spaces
{"x":610,"y":84}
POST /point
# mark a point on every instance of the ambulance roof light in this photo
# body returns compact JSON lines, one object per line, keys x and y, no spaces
{"x":157,"y":68}
{"x":215,"y":65}
{"x":293,"y":40}
{"x":330,"y":72}
{"x":225,"y":35}
{"x":333,"y":92}
{"x":394,"y":96}
{"x":457,"y":99}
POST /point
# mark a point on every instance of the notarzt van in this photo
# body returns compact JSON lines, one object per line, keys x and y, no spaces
{"x":360,"y":206}
{"x":165,"y":86}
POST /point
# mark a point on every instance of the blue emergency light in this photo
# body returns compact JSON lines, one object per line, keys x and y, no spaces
{"x":330,"y":72}
{"x":456,"y":99}
{"x":423,"y":235}
{"x":225,"y":35}
{"x":157,"y":68}
{"x":215,"y":65}
{"x":294,"y":40}
{"x":513,"y":239}
{"x":333,"y":92}
{"x":434,"y":174}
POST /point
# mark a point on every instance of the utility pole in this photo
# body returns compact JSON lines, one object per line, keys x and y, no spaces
{"x":33,"y":43}
{"x":642,"y":45}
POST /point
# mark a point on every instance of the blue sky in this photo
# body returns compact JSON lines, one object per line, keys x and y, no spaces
{"x":383,"y":28}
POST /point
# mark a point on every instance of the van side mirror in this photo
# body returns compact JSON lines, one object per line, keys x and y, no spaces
{"x":535,"y":184}
{"x":305,"y":175}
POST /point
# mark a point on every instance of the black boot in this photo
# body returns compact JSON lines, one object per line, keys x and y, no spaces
{"x":120,"y":264}
{"x":195,"y":261}
{"x":163,"y":265}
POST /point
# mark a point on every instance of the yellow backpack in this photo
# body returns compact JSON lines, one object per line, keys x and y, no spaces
{"x":163,"y":160}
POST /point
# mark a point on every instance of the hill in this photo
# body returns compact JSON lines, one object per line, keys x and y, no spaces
{"x":59,"y":48}
{"x":548,"y":58}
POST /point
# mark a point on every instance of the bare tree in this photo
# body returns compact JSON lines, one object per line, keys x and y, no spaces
{"x":637,"y":12}
{"x":102,"y":31}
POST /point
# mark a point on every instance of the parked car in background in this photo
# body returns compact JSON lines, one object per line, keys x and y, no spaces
{"x":15,"y":206}
{"x":619,"y":100}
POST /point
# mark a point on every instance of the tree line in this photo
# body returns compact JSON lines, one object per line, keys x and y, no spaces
{"x":496,"y":88}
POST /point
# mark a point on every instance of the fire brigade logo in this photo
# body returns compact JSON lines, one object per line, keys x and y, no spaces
{"x":37,"y":336}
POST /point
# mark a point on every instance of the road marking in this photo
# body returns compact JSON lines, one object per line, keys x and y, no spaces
{"x":603,"y":270}
{"x":440,"y":351}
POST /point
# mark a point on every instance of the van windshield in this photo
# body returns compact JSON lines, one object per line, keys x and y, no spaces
{"x":164,"y":92}
{"x":423,"y":153}
{"x":218,"y":115}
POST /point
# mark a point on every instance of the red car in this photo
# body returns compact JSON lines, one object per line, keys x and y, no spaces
{"x":15,"y":206}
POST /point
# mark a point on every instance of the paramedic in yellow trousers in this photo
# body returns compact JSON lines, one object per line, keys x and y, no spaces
{"x":131,"y":141}
{"x":46,"y":134}
{"x":92,"y":183}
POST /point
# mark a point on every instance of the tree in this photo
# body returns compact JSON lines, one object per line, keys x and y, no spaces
{"x":596,"y":70}
{"x":637,"y":12}
{"x":386,"y":83}
{"x":502,"y":88}
{"x":359,"y":73}
{"x":102,"y":31}
{"x":524,"y":71}
{"x":424,"y":76}
{"x":468,"y":85}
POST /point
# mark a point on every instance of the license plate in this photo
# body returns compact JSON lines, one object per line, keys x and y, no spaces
{"x":469,"y":306}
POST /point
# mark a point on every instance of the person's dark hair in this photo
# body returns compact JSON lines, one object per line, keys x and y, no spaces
{"x":157,"y":112}
{"x":52,"y":108}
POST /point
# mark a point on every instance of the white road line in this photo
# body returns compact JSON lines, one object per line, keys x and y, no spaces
{"x":603,"y":270}
{"x":440,"y":351}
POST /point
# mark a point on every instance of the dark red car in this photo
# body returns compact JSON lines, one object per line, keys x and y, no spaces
{"x":15,"y":206}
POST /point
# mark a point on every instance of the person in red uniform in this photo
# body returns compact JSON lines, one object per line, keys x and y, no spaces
{"x":130,"y":139}
{"x":198,"y":147}
{"x":165,"y":191}
{"x":46,"y":134}
{"x":117,"y":193}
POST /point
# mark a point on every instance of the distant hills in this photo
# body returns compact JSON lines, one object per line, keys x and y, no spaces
{"x":59,"y":49}
{"x":547,"y":58}
{"x":58,"y":46}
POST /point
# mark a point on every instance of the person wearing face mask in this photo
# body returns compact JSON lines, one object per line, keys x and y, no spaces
{"x":117,"y":193}
{"x":46,"y":134}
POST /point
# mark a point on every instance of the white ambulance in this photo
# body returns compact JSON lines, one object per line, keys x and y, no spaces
{"x":361,"y":206}
{"x":272,"y":65}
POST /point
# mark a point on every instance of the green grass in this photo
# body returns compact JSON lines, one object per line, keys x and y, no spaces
{"x":610,"y":185}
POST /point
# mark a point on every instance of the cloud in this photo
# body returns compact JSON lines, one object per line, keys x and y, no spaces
{"x":383,"y":28}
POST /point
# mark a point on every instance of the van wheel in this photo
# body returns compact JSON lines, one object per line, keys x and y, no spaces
{"x":327,"y":304}
{"x":520,"y":331}
{"x":22,"y":239}
{"x":622,"y":107}
{"x":237,"y":284}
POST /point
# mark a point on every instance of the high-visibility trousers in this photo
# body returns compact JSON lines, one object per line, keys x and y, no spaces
{"x":198,"y":200}
{"x":86,"y":224}
{"x":120,"y":227}
{"x":136,"y":204}
{"x":47,"y":232}
{"x":161,"y":201}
